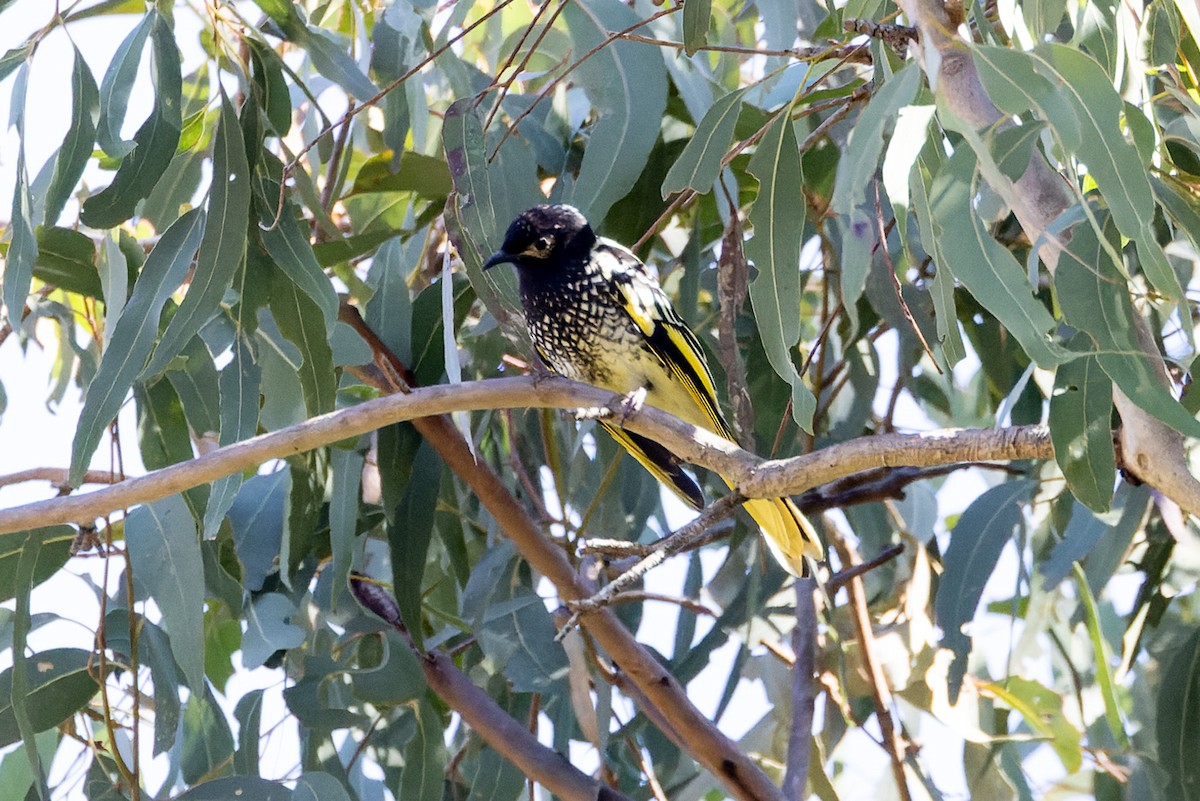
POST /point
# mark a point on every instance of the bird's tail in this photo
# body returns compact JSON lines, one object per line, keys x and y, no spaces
{"x":789,"y":535}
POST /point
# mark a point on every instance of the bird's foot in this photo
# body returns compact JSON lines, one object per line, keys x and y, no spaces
{"x":617,"y":412}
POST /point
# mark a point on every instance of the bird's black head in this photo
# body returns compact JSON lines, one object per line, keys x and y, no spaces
{"x":545,"y":235}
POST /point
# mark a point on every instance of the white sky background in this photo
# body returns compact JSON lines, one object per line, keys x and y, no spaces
{"x":31,"y":435}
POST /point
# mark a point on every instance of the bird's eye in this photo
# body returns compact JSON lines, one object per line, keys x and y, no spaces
{"x":543,"y":244}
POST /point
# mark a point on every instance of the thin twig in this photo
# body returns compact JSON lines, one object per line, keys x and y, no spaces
{"x":550,"y":87}
{"x":664,"y":548}
{"x":881,"y":693}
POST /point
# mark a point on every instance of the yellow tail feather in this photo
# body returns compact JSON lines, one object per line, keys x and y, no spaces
{"x":789,"y":535}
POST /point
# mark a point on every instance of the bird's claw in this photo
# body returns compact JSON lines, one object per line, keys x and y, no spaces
{"x":629,"y":403}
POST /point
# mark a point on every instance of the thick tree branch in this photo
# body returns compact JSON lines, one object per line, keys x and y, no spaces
{"x":1152,"y":451}
{"x":752,"y":476}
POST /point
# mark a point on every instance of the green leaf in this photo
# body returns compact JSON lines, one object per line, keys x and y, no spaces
{"x":409,"y":535}
{"x":23,"y":250}
{"x":774,"y":249}
{"x":1079,"y":540}
{"x":424,"y":757}
{"x":52,"y":552}
{"x":165,"y":551}
{"x":697,"y":16}
{"x":67,"y":259}
{"x":332,"y":60}
{"x":389,"y":311}
{"x":195,"y":379}
{"x":1178,"y":721}
{"x":1074,"y":94}
{"x":1042,"y":710}
{"x":113,"y":99}
{"x":426,"y":176}
{"x":77,"y":146}
{"x":207,"y":740}
{"x":223,"y":247}
{"x":1102,"y":659}
{"x":627,"y":84}
{"x":289,"y":248}
{"x":942,"y":289}
{"x":699,"y":165}
{"x":317,"y":786}
{"x":1095,"y":298}
{"x":163,"y":435}
{"x":346,"y":467}
{"x":960,"y":244}
{"x":17,"y":57}
{"x":155,"y":141}
{"x":134,"y":336}
{"x":257,"y":521}
{"x":59,"y":686}
{"x":396,"y":680}
{"x":248,"y":714}
{"x":243,"y":788}
{"x":853,"y":191}
{"x":268,"y":629}
{"x":975,"y":544}
{"x":512,"y":625}
{"x":1081,"y":429}
{"x":301,"y":321}
{"x":272,"y":88}
{"x":239,"y":388}
{"x":481,"y":207}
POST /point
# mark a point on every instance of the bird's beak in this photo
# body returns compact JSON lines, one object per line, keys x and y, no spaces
{"x":499,"y":257}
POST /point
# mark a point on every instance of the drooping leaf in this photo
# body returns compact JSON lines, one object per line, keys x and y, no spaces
{"x":239,"y":388}
{"x":155,"y":141}
{"x":289,"y":248}
{"x":257,"y":519}
{"x":975,"y":544}
{"x":774,"y":249}
{"x":853,"y":194}
{"x":409,"y":536}
{"x":301,"y":321}
{"x":77,"y":146}
{"x":207,"y":739}
{"x":115,"y":88}
{"x":699,"y":164}
{"x":696,"y":19}
{"x":627,"y":85}
{"x":134,"y":336}
{"x":1081,"y":429}
{"x":1072,"y":92}
{"x":962,"y":246}
{"x":165,"y":550}
{"x":243,"y":788}
{"x":23,"y":250}
{"x":346,"y":467}
{"x":223,"y":246}
{"x":424,"y":757}
{"x":1095,"y":299}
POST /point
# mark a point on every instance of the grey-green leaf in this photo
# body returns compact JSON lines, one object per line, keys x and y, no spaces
{"x":699,"y":164}
{"x":1081,"y":429}
{"x":116,"y":86}
{"x":77,"y":146}
{"x":165,"y":549}
{"x":134,"y":336}
{"x":960,"y":244}
{"x":774,"y":249}
{"x":697,"y":15}
{"x":291,"y":251}
{"x":155,"y":141}
{"x":975,"y":544}
{"x":627,"y":84}
{"x":223,"y":246}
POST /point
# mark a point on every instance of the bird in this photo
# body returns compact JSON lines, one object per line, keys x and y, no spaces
{"x":596,"y":314}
